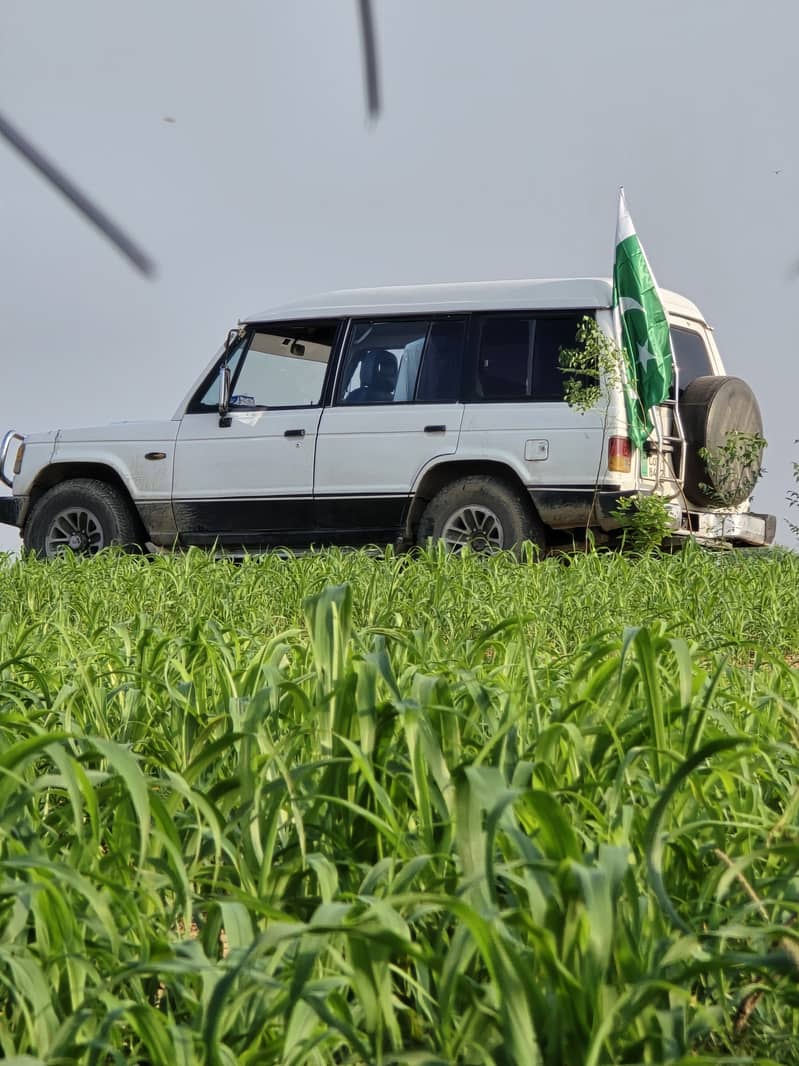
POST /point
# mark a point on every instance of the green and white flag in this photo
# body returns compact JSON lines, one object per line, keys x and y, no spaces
{"x":644,"y":328}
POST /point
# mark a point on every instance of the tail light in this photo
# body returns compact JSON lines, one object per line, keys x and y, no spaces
{"x":620,"y":454}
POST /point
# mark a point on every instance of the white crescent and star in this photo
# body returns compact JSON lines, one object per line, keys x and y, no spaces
{"x":627,"y":303}
{"x":644,"y":355}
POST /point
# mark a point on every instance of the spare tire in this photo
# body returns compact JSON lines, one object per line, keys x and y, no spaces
{"x":712,"y":407}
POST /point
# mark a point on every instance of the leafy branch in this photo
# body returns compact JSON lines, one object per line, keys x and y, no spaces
{"x":792,"y":496}
{"x":584,"y":367}
{"x":733,"y":469}
{"x":645,"y":522}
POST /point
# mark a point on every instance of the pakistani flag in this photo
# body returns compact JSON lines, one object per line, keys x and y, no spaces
{"x":644,"y":328}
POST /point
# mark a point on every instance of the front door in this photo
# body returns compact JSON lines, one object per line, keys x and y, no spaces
{"x":395,"y":410}
{"x":250,"y":482}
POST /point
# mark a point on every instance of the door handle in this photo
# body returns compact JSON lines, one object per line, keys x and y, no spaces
{"x":435,"y":429}
{"x":294,"y":433}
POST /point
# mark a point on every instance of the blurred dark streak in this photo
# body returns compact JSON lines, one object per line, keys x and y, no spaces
{"x":89,"y":210}
{"x":369,"y":58}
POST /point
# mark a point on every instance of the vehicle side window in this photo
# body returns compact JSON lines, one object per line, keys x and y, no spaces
{"x":277,"y":365}
{"x":517,"y":356}
{"x":442,"y":363}
{"x":280,"y":371}
{"x":690,"y":351}
{"x":505,"y":358}
{"x":552,"y":334}
{"x":402,"y":360}
{"x":382,"y":360}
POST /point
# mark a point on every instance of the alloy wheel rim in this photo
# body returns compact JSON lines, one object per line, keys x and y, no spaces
{"x":76,"y":528}
{"x":476,"y":526}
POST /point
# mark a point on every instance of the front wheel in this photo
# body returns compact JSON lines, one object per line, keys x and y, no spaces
{"x":483,"y":513}
{"x":82,"y":515}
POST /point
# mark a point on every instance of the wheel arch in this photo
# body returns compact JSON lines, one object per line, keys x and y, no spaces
{"x":436,"y":477}
{"x":55,"y":473}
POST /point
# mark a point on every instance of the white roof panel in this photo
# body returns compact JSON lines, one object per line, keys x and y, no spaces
{"x":530,"y":294}
{"x":681,"y":305}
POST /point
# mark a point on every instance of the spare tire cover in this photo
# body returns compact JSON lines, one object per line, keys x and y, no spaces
{"x":711,"y":407}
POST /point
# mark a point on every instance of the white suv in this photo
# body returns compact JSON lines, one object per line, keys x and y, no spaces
{"x":393,"y":415}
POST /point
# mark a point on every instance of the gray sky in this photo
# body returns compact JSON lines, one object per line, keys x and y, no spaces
{"x":506,"y":130}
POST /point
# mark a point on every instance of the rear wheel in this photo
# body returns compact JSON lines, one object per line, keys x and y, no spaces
{"x":83,"y":515}
{"x":483,"y":513}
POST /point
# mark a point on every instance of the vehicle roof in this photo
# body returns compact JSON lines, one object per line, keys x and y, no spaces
{"x":525,"y":294}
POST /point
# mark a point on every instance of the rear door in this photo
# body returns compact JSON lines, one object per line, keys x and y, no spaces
{"x":693,"y":357}
{"x":395,"y":409}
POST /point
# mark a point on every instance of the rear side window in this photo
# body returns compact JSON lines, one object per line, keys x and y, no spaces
{"x":551,"y":335}
{"x":690,"y":351}
{"x":442,"y":365}
{"x":516,"y":357}
{"x":505,"y":358}
{"x":402,"y":360}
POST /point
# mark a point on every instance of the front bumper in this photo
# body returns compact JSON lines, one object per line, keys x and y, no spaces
{"x":9,"y":508}
{"x":5,"y":448}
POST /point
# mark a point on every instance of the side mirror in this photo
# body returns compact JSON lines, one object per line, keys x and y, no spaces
{"x":224,"y":396}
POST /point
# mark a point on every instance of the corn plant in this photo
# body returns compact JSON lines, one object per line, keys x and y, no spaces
{"x":348,"y":808}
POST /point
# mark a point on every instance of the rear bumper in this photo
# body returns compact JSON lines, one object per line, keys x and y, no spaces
{"x":9,"y":509}
{"x":706,"y":526}
{"x":747,"y":528}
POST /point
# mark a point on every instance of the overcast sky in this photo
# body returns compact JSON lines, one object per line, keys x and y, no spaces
{"x":231,"y":140}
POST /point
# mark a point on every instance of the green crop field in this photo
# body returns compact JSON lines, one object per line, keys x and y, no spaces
{"x":348,"y":809}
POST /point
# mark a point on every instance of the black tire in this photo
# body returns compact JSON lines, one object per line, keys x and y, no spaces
{"x":711,"y":407}
{"x":502,"y":518}
{"x":82,"y":514}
